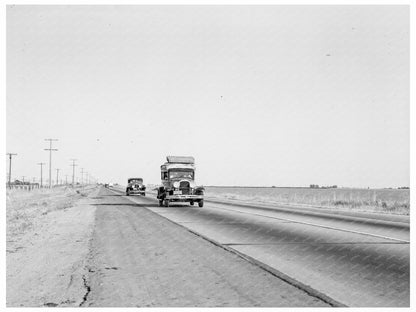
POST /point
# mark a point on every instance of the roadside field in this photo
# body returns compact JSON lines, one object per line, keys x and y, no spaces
{"x":24,"y":208}
{"x":48,"y":232}
{"x":393,"y":201}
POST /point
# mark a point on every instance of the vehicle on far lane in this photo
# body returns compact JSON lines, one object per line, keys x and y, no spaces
{"x":178,"y":185}
{"x":135,"y":186}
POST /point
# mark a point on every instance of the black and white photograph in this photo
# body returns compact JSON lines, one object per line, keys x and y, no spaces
{"x":207,"y":155}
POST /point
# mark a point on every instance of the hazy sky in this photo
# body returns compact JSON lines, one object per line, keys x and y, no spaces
{"x":259,"y":95}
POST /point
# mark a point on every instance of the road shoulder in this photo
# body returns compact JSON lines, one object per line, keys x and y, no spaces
{"x":46,"y":266}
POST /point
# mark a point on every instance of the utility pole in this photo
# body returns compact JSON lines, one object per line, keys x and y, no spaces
{"x":50,"y":149}
{"x":82,"y":176}
{"x":10,"y":167}
{"x":41,"y":173}
{"x":73,"y":171}
{"x":66,"y":179}
{"x":57,"y":175}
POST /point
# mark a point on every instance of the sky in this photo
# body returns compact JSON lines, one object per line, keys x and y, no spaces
{"x":259,"y":95}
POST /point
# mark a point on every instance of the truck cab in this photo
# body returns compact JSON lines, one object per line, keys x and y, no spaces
{"x":178,"y":182}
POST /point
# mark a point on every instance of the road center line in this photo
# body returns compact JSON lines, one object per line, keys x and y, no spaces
{"x":313,"y":244}
{"x":321,"y":226}
{"x":318,"y":225}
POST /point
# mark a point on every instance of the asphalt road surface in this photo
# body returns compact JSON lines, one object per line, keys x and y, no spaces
{"x":225,"y":255}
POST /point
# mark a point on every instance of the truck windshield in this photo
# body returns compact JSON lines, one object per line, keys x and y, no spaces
{"x":136,"y":181}
{"x":189,"y":174}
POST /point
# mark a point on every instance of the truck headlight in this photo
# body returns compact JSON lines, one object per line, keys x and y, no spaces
{"x":176,"y":184}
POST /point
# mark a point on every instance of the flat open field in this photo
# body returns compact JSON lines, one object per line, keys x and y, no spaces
{"x":375,"y":200}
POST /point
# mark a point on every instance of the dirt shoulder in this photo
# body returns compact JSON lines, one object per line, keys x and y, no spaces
{"x":48,"y":233}
{"x":140,"y":259}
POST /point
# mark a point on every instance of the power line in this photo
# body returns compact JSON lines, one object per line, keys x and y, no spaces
{"x":50,"y":149}
{"x":10,"y":167}
{"x":73,"y":170}
{"x":82,"y":176}
{"x":41,"y":173}
{"x":57,"y":175}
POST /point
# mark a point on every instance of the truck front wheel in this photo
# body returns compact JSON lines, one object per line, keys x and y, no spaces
{"x":201,"y":203}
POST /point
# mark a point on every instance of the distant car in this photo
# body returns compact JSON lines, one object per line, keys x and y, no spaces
{"x":106,"y":185}
{"x":135,"y":186}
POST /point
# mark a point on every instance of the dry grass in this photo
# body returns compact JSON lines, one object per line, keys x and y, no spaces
{"x":376,"y":200}
{"x":24,"y":207}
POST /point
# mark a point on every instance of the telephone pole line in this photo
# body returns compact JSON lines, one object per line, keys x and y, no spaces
{"x":73,"y":170}
{"x":57,"y":175}
{"x":41,"y":174}
{"x":10,"y":167}
{"x":82,"y":176}
{"x":50,"y":149}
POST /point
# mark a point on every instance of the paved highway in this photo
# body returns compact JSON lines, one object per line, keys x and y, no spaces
{"x":140,"y":259}
{"x":342,"y":261}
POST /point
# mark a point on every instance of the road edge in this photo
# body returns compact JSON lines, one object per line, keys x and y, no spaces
{"x":390,"y":220}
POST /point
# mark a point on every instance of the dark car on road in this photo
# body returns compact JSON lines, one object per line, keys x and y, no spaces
{"x":135,"y":186}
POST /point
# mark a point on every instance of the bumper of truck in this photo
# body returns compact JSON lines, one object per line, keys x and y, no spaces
{"x":131,"y":192}
{"x":184,"y":197}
